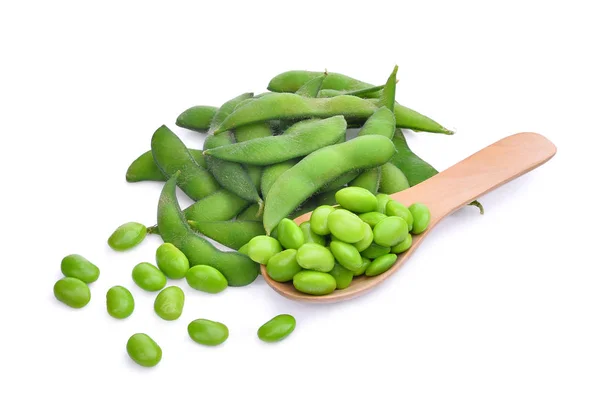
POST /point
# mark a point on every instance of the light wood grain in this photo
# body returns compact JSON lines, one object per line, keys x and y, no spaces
{"x":445,"y":193}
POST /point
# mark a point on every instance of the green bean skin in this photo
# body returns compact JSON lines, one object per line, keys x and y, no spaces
{"x":227,"y":108}
{"x":197,"y":118}
{"x":171,"y":155}
{"x":222,"y":205}
{"x":305,"y":178}
{"x":230,"y":175}
{"x":272,"y":172}
{"x":238,"y":269}
{"x":393,"y":179}
{"x":252,"y":131}
{"x":233,"y":234}
{"x":144,"y":168}
{"x":291,"y":81}
{"x":300,"y":139}
{"x":312,"y":87}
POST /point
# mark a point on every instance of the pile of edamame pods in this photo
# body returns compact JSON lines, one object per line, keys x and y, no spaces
{"x":268,"y":158}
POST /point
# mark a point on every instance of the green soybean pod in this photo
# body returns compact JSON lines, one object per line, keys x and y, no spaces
{"x":221,"y":205}
{"x":382,"y":200}
{"x":276,"y":329}
{"x":77,"y":266}
{"x":390,"y":231}
{"x":403,"y":245}
{"x":255,"y":174}
{"x":292,"y":81}
{"x":148,"y":277}
{"x":365,"y":264}
{"x":252,"y":131}
{"x":169,"y":303}
{"x":144,"y":168}
{"x":421,"y":217}
{"x":314,"y":282}
{"x":309,"y":175}
{"x":393,"y":179}
{"x":372,"y":218}
{"x":343,"y":277}
{"x":381,"y":264}
{"x":171,"y":261}
{"x":356,"y":199}
{"x":206,"y":279}
{"x":312,"y":87}
{"x":318,"y":219}
{"x":388,"y":94}
{"x":310,"y":236}
{"x":238,"y":269}
{"x":283,"y":266}
{"x":339,"y":182}
{"x":143,"y":350}
{"x":227,"y":108}
{"x":197,"y":118}
{"x":244,"y":249}
{"x":366,"y":241}
{"x":382,"y":123}
{"x":315,"y":257}
{"x":289,"y":234}
{"x":127,"y":236}
{"x":299,"y":140}
{"x":368,"y":180}
{"x":346,"y":255}
{"x":396,"y":209}
{"x":207,"y":332}
{"x":375,"y":250}
{"x":262,"y":248}
{"x":251,"y":213}
{"x":171,"y":155}
{"x":119,"y":302}
{"x":370,"y":92}
{"x":272,"y":172}
{"x":72,"y":292}
{"x":233,"y":234}
{"x":346,"y":226}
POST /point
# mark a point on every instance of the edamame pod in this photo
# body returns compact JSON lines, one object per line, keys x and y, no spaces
{"x":238,"y":269}
{"x":197,"y":118}
{"x":392,"y":180}
{"x":227,"y":108}
{"x":300,"y":139}
{"x":144,"y":168}
{"x":72,"y":292}
{"x":388,"y":95}
{"x":374,"y":91}
{"x":127,"y":236}
{"x":208,"y":333}
{"x":272,"y":172}
{"x":143,"y":350}
{"x":169,"y":303}
{"x":312,"y":87}
{"x":77,"y":266}
{"x":368,"y":179}
{"x":171,"y":155}
{"x":314,"y":282}
{"x":171,"y":261}
{"x":206,"y":279}
{"x":222,"y":205}
{"x":283,"y":266}
{"x":250,"y":214}
{"x":343,"y":277}
{"x":252,"y":131}
{"x":339,"y":182}
{"x":119,"y":302}
{"x":298,"y":183}
{"x":148,"y":277}
{"x":277,"y":328}
{"x":233,"y":234}
{"x":291,"y":81}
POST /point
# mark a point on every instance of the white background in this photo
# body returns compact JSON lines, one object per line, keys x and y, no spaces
{"x":501,"y":306}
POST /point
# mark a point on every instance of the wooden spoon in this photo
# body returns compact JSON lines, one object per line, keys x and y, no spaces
{"x":445,"y":193}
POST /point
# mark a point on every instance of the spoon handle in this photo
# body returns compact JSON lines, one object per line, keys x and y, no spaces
{"x":480,"y":173}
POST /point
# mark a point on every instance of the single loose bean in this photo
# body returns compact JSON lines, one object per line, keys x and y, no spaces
{"x":315,"y":257}
{"x":263,"y":247}
{"x":365,"y":263}
{"x":356,"y":199}
{"x":372,"y":218}
{"x":143,"y":350}
{"x":208,"y":333}
{"x":393,"y":179}
{"x":299,"y":140}
{"x":343,"y":277}
{"x":346,"y":226}
{"x":72,"y":292}
{"x":119,"y":302}
{"x":375,"y":250}
{"x":318,"y":219}
{"x":148,"y":277}
{"x":197,"y":118}
{"x":206,"y":279}
{"x":421,"y":216}
{"x":169,"y":303}
{"x":127,"y":236}
{"x":346,"y":254}
{"x":171,"y":261}
{"x":390,"y":231}
{"x":310,"y":236}
{"x":314,"y":282}
{"x":382,"y":200}
{"x":396,"y":209}
{"x":276,"y":329}
{"x":238,"y":269}
{"x":283,"y":266}
{"x":403,"y":245}
{"x":144,"y":168}
{"x":301,"y":181}
{"x":289,"y":234}
{"x":366,"y":241}
{"x":233,"y":234}
{"x":77,"y":266}
{"x":381,"y":264}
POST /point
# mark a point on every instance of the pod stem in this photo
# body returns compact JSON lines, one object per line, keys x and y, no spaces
{"x":478,"y":205}
{"x":151,"y":230}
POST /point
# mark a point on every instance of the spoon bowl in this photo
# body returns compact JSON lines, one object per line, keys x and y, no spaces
{"x":444,"y":193}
